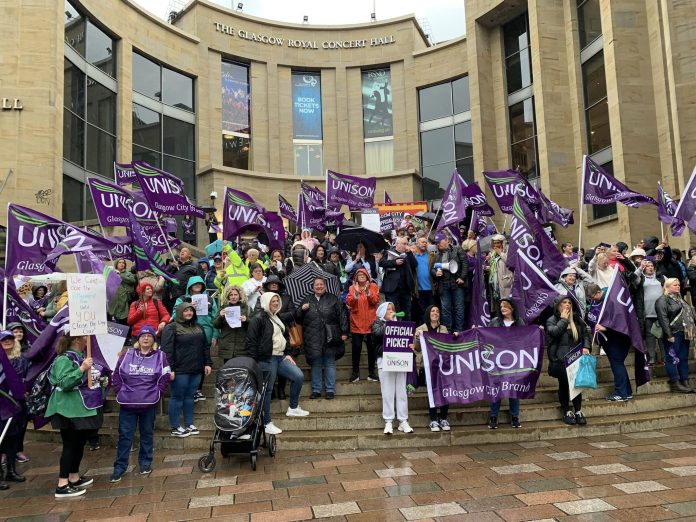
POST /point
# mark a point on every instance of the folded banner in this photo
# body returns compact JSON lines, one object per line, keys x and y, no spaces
{"x":19,"y":311}
{"x":124,"y":174}
{"x":354,"y":191}
{"x":286,"y":210}
{"x":505,"y":184}
{"x":242,"y":212}
{"x":165,"y":192}
{"x":601,"y":188}
{"x":32,"y":238}
{"x":666,"y":211}
{"x":550,"y":212}
{"x":457,"y":198}
{"x":111,"y":203}
{"x":482,"y":364}
{"x":531,"y":289}
{"x":313,"y":194}
{"x":480,"y":312}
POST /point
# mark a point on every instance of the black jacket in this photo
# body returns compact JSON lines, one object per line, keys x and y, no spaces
{"x":259,"y":340}
{"x":668,"y":267}
{"x":448,"y":280}
{"x":378,"y":337}
{"x":667,"y":310}
{"x":497,"y":321}
{"x":326,"y":311}
{"x":185,"y":345}
{"x":182,"y":275}
{"x":560,"y":341}
{"x":398,"y":277}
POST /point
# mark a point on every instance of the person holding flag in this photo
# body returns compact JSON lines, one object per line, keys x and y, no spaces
{"x":13,"y":369}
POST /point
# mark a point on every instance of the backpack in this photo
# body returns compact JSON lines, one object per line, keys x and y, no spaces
{"x":41,"y":390}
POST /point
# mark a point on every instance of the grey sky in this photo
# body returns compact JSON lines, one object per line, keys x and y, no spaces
{"x":445,"y":17}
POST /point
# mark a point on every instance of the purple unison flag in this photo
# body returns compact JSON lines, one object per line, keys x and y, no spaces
{"x":124,"y":174}
{"x":111,"y":203}
{"x":686,"y":210}
{"x":453,"y":206}
{"x":89,"y":263}
{"x":286,"y":210}
{"x":478,"y":224}
{"x":11,"y":388}
{"x":42,"y":351}
{"x":33,"y":236}
{"x":528,"y":236}
{"x":552,"y":212}
{"x":666,"y":210}
{"x":619,"y":314}
{"x":274,"y":230}
{"x":309,"y":216}
{"x":354,"y":191}
{"x":122,"y":250}
{"x":531,"y":289}
{"x":146,"y":256}
{"x":387,"y":199}
{"x":482,"y":364}
{"x":242,"y":212}
{"x":505,"y":184}
{"x":19,"y":311}
{"x":480,"y":311}
{"x":601,"y":188}
{"x":165,"y":192}
{"x":313,"y":194}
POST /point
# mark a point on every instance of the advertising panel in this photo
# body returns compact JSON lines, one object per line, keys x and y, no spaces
{"x":377,"y":103}
{"x":306,"y":106}
{"x":235,"y":97}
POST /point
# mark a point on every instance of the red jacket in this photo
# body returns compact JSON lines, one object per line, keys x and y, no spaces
{"x":363,"y":306}
{"x":153,"y":314}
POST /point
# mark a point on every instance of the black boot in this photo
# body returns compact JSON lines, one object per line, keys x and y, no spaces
{"x":677,"y":387}
{"x":687,"y":388}
{"x":3,"y":485}
{"x":12,"y":475}
{"x":281,"y":388}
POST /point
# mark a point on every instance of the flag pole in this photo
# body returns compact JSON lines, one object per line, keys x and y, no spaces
{"x":662,"y":230}
{"x":159,"y":225}
{"x":582,"y":198}
{"x":89,"y":354}
{"x":4,"y":294}
{"x":434,"y":220}
{"x":504,"y":224}
{"x":493,"y":223}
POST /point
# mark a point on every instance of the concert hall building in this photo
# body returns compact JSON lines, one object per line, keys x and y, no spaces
{"x":221,"y":98}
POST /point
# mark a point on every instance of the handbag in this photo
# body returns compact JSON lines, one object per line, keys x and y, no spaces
{"x":296,"y":335}
{"x":587,"y":372}
{"x":332,"y":334}
{"x":656,"y":330}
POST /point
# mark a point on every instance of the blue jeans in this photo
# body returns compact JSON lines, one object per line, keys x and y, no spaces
{"x":677,"y":358}
{"x":128,"y":420}
{"x":514,"y":407}
{"x":452,"y":301}
{"x":183,"y":387}
{"x":328,"y":364}
{"x":278,"y":365}
{"x":617,"y":347}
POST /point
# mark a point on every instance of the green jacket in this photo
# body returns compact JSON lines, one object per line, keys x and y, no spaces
{"x":206,"y":321}
{"x":65,"y":399}
{"x":232,"y":340}
{"x":121,"y":302}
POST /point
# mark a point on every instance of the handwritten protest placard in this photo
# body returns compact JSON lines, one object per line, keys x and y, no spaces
{"x":87,"y":304}
{"x":396,"y":354}
{"x":200,"y":303}
{"x":233,"y":316}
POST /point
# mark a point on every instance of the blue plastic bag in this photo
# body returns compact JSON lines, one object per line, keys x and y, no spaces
{"x":587,"y":372}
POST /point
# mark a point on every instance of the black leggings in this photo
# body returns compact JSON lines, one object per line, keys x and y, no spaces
{"x":357,"y":342}
{"x":9,"y":447}
{"x":432,"y":412}
{"x":564,"y":394}
{"x":73,"y":449}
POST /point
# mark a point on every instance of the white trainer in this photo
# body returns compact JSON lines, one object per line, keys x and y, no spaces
{"x":388,"y":428}
{"x":405,"y":427}
{"x":272,"y":429}
{"x":296,"y":412}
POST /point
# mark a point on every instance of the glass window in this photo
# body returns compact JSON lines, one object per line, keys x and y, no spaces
{"x":515,"y":35}
{"x":524,"y":158}
{"x":435,"y":102}
{"x":437,"y":146}
{"x":146,"y":77}
{"x":460,"y":95}
{"x":178,"y":138}
{"x":90,"y":211}
{"x":522,"y":120}
{"x":436,"y":178}
{"x":73,"y":88}
{"x":235,"y":151}
{"x":236,"y":98}
{"x":462,"y":140}
{"x":148,"y":156}
{"x":100,"y":50}
{"x":598,"y":127}
{"x":602,"y":211}
{"x":309,"y":159}
{"x":589,"y":21}
{"x":146,"y":128}
{"x":177,"y":89}
{"x":74,"y":25}
{"x":518,"y":71}
{"x":185,"y":170}
{"x":73,"y":138}
{"x":73,"y":199}
{"x":594,"y":79}
{"x":101,"y":106}
{"x":465,"y":167}
{"x":101,"y":151}
{"x":379,"y":156}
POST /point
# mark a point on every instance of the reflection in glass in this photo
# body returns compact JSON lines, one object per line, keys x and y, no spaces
{"x":74,"y":25}
{"x":73,"y":199}
{"x":73,"y":138}
{"x":518,"y":71}
{"x":235,"y":151}
{"x":435,"y":102}
{"x":524,"y":158}
{"x":515,"y":35}
{"x":178,"y":138}
{"x":589,"y":21}
{"x":437,"y":146}
{"x":146,"y":127}
{"x":462,"y":141}
{"x":465,"y":167}
{"x":101,"y":151}
{"x":436,"y":178}
{"x":148,"y":156}
{"x":73,"y":88}
{"x":186,"y":170}
{"x":309,"y":159}
{"x":101,"y":106}
{"x":100,"y":50}
{"x":460,"y":95}
{"x":522,"y":120}
{"x":146,"y":77}
{"x":602,"y":211}
{"x":594,"y":79}
{"x":598,"y":127}
{"x":177,"y":89}
{"x":379,"y":156}
{"x":236,"y":98}
{"x":90,"y":211}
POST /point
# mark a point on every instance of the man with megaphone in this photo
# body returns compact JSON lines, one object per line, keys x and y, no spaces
{"x":450,"y":267}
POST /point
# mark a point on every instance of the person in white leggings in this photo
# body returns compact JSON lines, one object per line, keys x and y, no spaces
{"x":393,"y":384}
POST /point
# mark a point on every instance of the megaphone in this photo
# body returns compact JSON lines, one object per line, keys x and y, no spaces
{"x":452,"y":266}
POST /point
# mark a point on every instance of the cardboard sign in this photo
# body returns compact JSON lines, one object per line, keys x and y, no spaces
{"x":87,"y":304}
{"x":396,"y":354}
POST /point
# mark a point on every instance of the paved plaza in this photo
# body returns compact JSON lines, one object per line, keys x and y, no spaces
{"x":637,"y":476}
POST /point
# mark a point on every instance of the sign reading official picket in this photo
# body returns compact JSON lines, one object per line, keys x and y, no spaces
{"x":396,"y":355}
{"x":87,"y":304}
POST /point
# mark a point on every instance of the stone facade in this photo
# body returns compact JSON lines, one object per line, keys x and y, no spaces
{"x":650,"y":74}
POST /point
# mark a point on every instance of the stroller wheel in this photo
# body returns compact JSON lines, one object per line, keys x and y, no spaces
{"x":206,"y":463}
{"x":272,"y":445}
{"x":252,"y":458}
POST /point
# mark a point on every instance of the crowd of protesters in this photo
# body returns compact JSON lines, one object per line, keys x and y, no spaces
{"x":416,"y":277}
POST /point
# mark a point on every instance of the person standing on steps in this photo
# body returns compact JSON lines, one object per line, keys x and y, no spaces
{"x":362,"y":301}
{"x":13,"y":369}
{"x":398,"y":282}
{"x":392,"y":384}
{"x":566,"y":330}
{"x":231,"y":342}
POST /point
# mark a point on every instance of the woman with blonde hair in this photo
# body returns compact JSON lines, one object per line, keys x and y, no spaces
{"x":676,"y":318}
{"x":600,"y":270}
{"x":231,"y":342}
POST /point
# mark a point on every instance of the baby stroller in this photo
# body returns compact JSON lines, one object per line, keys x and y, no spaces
{"x":239,"y":392}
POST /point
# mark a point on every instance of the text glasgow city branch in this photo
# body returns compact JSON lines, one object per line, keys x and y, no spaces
{"x":303,"y":44}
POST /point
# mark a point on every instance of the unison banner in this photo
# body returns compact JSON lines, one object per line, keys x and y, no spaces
{"x":601,"y":188}
{"x":306,"y":106}
{"x":286,"y":210}
{"x":505,"y":184}
{"x":111,"y":203}
{"x":354,"y":191}
{"x":165,"y":192}
{"x":124,"y":174}
{"x":482,"y":364}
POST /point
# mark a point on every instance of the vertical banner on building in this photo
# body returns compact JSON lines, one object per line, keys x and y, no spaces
{"x":377,"y":103}
{"x":235,"y":97}
{"x":306,"y":106}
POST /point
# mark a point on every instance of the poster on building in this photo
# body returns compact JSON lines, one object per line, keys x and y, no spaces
{"x":306,"y":106}
{"x":377,"y":103}
{"x":235,"y":97}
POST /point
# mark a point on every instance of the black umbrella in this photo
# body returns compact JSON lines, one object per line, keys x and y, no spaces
{"x":428,"y":216}
{"x":300,"y":283}
{"x":349,"y":238}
